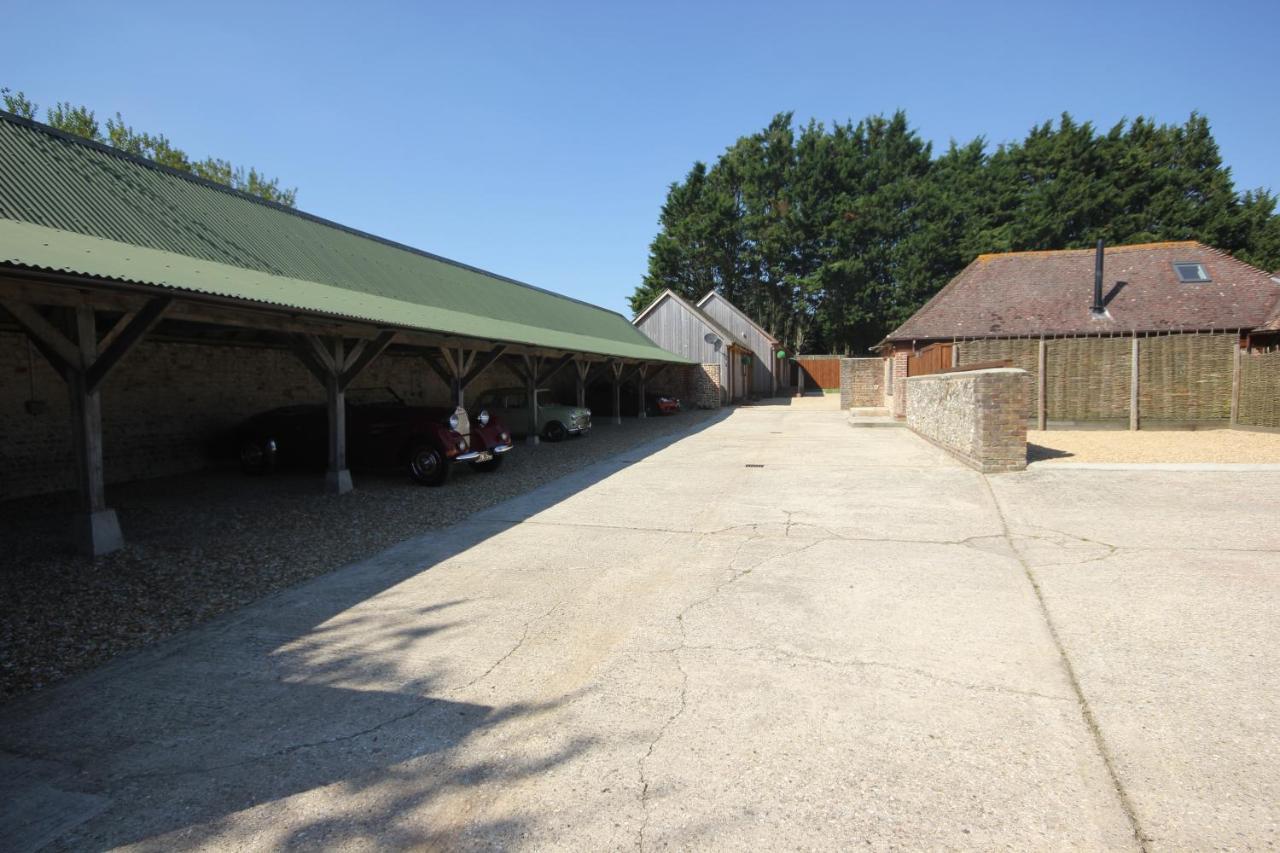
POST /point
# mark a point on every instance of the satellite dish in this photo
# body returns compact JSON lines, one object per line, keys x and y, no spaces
{"x":710,"y":338}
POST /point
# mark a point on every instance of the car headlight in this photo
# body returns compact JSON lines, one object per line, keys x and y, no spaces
{"x":453,"y":421}
{"x":483,"y":417}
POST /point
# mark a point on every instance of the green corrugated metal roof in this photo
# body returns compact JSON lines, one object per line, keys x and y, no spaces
{"x":71,"y":206}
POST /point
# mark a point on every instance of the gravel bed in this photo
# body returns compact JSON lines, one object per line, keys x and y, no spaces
{"x":202,"y":544}
{"x":1212,"y":445}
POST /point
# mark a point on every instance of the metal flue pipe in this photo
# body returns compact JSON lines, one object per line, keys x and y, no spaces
{"x":1098,"y":307}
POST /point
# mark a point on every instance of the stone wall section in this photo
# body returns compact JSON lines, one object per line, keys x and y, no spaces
{"x":979,"y":416}
{"x":861,"y":382}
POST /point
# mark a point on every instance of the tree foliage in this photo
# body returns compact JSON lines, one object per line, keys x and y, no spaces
{"x":830,"y":238}
{"x":79,"y":120}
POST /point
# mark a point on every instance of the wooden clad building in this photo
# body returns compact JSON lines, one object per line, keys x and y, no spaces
{"x":681,"y":328}
{"x":765,"y":364}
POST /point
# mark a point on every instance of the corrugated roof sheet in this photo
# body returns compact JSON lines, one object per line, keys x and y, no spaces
{"x":72,"y":206}
{"x":1050,"y":293}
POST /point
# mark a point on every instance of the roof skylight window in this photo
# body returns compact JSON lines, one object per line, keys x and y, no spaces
{"x":1191,"y":272}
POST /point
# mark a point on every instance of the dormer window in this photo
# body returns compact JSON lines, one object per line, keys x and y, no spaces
{"x":1191,"y":273}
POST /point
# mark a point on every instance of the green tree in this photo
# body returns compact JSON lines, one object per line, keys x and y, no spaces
{"x":79,"y":120}
{"x":831,"y":238}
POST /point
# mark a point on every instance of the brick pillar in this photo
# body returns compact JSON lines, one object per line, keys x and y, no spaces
{"x":900,"y":384}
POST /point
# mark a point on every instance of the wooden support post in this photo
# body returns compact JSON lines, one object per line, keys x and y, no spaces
{"x":1133,"y":385}
{"x":363,"y":355}
{"x":95,"y":528}
{"x":616,"y":368}
{"x":478,"y":364}
{"x":640,"y":374}
{"x":453,"y":361}
{"x":335,"y":369}
{"x":582,"y":368}
{"x":1235,"y":383}
{"x":84,"y":364}
{"x":532,"y":365}
{"x":337,"y":479}
{"x":1042,"y":357}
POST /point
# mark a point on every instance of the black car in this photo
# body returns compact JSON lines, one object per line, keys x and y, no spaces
{"x":382,"y":431}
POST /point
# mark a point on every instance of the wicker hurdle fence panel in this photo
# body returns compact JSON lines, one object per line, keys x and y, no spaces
{"x":1185,"y":377}
{"x":1260,"y":389}
{"x":1087,"y":378}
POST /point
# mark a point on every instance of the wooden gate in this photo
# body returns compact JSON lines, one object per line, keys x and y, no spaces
{"x":820,"y":371}
{"x":935,"y":358}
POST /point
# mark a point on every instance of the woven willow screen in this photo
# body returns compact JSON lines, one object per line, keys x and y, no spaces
{"x":1260,"y":389}
{"x":1181,"y":377}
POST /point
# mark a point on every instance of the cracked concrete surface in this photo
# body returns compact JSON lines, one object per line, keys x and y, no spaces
{"x":861,"y":642}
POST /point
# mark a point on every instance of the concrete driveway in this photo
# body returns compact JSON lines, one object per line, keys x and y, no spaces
{"x":777,"y":632}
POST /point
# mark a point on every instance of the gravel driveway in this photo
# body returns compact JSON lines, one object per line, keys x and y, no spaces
{"x":202,"y":544}
{"x":1143,"y":446}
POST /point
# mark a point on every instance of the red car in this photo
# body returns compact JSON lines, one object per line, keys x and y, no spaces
{"x":661,"y":404}
{"x":382,"y":431}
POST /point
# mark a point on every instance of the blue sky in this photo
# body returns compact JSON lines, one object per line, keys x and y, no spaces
{"x":537,"y":140}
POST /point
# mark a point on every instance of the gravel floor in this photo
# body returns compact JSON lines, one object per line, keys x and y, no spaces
{"x":1216,"y":445}
{"x":203,"y":544}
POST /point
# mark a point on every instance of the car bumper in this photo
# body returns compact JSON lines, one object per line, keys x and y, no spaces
{"x":482,"y":455}
{"x":578,"y":430}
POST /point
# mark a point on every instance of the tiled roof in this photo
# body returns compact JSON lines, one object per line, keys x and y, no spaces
{"x":1050,"y":293}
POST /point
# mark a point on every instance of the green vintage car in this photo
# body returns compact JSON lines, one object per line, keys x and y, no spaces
{"x":555,"y":422}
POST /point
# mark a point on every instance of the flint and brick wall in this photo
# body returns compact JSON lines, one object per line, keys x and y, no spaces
{"x":695,"y":385}
{"x":706,"y":386}
{"x":898,"y":401}
{"x":860,"y":382}
{"x":979,"y":416}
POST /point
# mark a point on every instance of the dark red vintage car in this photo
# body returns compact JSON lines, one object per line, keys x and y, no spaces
{"x":382,"y":431}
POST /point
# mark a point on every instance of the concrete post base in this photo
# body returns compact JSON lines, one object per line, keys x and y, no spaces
{"x":97,"y":533}
{"x":532,"y":440}
{"x":337,"y":482}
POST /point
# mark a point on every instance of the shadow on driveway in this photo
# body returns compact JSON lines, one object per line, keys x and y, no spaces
{"x":175,"y":739}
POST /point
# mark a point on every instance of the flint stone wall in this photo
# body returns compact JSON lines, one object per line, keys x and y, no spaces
{"x":979,"y":416}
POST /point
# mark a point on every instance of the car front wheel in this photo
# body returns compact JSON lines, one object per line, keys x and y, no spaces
{"x":555,"y":431}
{"x":427,"y":465}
